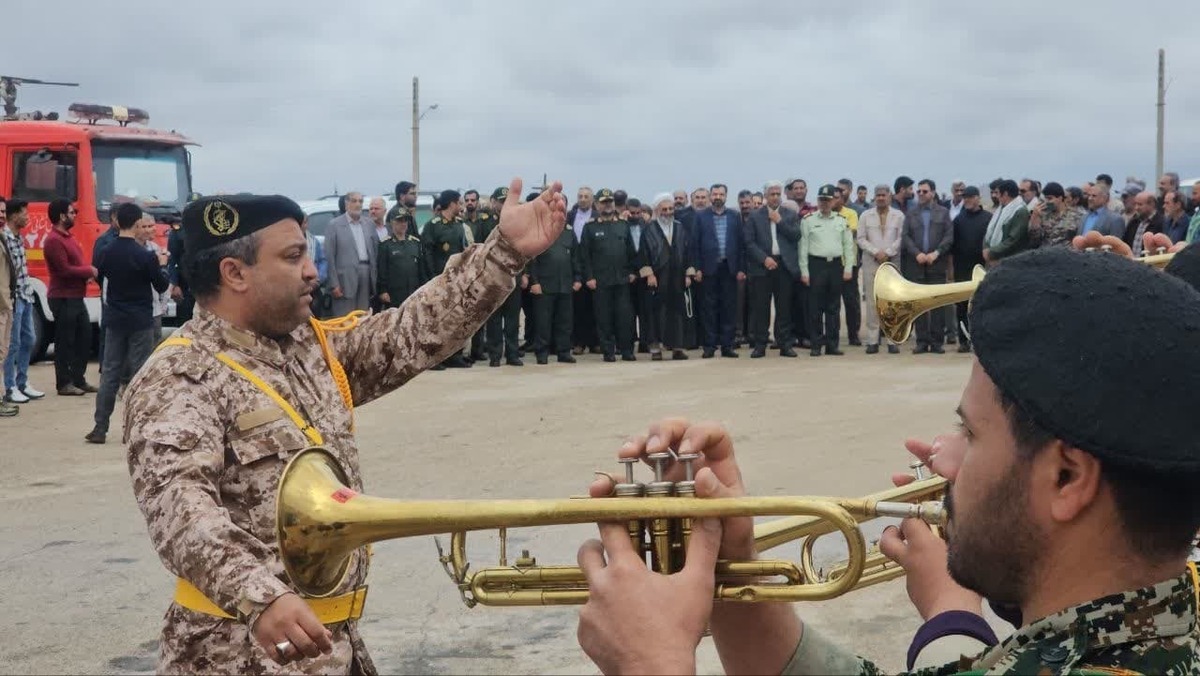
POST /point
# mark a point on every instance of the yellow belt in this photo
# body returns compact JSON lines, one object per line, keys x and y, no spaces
{"x":332,"y":610}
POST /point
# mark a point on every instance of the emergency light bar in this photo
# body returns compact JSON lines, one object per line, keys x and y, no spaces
{"x":92,"y":113}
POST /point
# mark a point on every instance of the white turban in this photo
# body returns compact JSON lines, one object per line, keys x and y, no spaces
{"x":663,"y":197}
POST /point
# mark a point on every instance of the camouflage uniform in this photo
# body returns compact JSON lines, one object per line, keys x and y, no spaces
{"x":206,"y":449}
{"x":1150,"y":630}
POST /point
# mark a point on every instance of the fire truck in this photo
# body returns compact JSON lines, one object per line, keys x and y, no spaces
{"x":99,"y":157}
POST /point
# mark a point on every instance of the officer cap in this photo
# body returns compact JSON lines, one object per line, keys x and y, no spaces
{"x":604,"y":195}
{"x":399,"y":213}
{"x":217,"y":219}
{"x":500,"y":194}
{"x":827,"y":191}
{"x":1092,"y":346}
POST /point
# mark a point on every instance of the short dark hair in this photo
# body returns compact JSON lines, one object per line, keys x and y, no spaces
{"x":861,"y":187}
{"x":471,"y":192}
{"x":341,"y":205}
{"x":901,"y":183}
{"x":58,"y":209}
{"x":744,"y":193}
{"x":759,"y":194}
{"x":1075,"y":192}
{"x":929,"y":182}
{"x":794,"y":181}
{"x":1009,"y":187}
{"x":203,"y":268}
{"x":846,"y":182}
{"x":995,"y":185}
{"x":722,"y":186}
{"x":1159,"y":512}
{"x":1104,"y":178}
{"x":15,"y":206}
{"x":403,"y":187}
{"x":444,"y":199}
{"x":128,"y":215}
{"x":1054,"y":189}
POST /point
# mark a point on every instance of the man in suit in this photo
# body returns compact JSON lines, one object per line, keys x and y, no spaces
{"x":928,"y":236}
{"x":351,"y":250}
{"x":718,"y":242}
{"x":771,"y":238}
{"x":1099,"y":217}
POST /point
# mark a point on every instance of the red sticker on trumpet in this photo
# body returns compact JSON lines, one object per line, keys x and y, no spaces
{"x":343,"y":494}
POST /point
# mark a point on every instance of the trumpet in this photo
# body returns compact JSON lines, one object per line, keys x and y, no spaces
{"x":899,"y":302}
{"x":321,"y":522}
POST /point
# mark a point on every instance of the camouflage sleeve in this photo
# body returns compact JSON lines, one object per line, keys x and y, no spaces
{"x":387,"y":349}
{"x":816,"y":654}
{"x":176,"y":460}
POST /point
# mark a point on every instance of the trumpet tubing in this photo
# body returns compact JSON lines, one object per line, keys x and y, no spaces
{"x":321,"y":523}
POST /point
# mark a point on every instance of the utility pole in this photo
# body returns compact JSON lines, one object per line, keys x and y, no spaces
{"x":1162,"y":104}
{"x":416,"y":130}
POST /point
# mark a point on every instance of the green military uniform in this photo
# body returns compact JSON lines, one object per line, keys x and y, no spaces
{"x":503,"y":325}
{"x":443,"y":239}
{"x":826,"y":254}
{"x":403,"y":268}
{"x":608,"y":256}
{"x":557,"y":270}
{"x":1148,"y":631}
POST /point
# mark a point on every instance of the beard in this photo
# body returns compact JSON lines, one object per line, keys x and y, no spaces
{"x":665,"y":221}
{"x":997,"y":549}
{"x":281,"y":310}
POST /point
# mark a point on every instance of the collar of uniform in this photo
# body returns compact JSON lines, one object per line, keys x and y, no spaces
{"x":1160,"y":611}
{"x":223,"y":334}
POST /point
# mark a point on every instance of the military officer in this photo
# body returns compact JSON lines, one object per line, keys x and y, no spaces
{"x":503,"y":325}
{"x":215,"y":414}
{"x":480,"y":221}
{"x":445,"y":235}
{"x":1081,"y":516}
{"x":403,"y":266}
{"x":554,"y":277}
{"x":608,"y":260}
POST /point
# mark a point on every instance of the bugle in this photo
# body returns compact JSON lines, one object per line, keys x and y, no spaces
{"x":321,"y":522}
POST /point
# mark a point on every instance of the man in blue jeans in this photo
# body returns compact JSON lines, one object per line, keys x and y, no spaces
{"x":128,"y":271}
{"x":13,"y":218}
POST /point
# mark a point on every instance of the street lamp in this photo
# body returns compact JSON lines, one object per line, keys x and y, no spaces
{"x":418,"y":115}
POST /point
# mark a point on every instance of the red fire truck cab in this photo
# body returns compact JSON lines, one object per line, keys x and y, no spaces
{"x":95,"y":160}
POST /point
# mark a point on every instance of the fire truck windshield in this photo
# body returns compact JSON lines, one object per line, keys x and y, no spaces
{"x":154,"y":176}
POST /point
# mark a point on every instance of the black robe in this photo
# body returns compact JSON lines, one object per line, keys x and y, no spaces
{"x":672,"y":265}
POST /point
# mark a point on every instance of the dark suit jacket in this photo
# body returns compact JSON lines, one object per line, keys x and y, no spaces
{"x":941,"y":237}
{"x":756,"y":239}
{"x":707,"y":253}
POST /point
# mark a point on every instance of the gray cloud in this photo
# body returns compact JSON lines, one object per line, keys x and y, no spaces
{"x":298,"y":97}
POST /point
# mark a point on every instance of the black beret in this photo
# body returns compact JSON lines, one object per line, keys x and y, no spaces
{"x":1186,"y":265}
{"x":216,"y":219}
{"x":1099,"y":350}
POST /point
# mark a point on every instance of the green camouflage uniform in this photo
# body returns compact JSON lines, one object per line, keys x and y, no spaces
{"x":1149,"y":631}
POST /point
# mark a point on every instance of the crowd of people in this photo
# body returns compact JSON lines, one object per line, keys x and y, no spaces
{"x":684,"y":272}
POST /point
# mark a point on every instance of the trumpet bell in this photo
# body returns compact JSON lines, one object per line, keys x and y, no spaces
{"x":899,"y":301}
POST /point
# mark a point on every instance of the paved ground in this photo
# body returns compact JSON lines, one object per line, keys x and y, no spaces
{"x":85,"y":593}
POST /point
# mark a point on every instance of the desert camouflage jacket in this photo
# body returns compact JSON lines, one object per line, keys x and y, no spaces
{"x":1147,"y":631}
{"x":206,"y":448}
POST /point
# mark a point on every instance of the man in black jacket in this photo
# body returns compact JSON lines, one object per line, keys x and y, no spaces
{"x":928,"y":235}
{"x":608,"y":260}
{"x":966,"y":252}
{"x":554,"y":277}
{"x":772,"y":239}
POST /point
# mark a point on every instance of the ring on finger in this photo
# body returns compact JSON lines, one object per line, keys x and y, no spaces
{"x":282,"y":647}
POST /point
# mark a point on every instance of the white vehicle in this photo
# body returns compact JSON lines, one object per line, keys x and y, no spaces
{"x":1188,"y":187}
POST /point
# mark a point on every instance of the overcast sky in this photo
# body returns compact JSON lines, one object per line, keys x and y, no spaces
{"x":298,"y":97}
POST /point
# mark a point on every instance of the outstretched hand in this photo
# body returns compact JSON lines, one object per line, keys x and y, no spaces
{"x":531,"y":227}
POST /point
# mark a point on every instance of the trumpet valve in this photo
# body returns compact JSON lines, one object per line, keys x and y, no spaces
{"x":918,"y":468}
{"x":525,"y":560}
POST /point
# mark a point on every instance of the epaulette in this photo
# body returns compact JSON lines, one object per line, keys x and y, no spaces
{"x":436,"y":219}
{"x":414,"y":238}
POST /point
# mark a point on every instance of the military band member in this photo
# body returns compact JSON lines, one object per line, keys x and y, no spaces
{"x":668,"y":268}
{"x":1081,"y":516}
{"x":504,"y":324}
{"x":213,"y":417}
{"x":403,"y":266}
{"x":609,"y":263}
{"x":554,"y":277}
{"x":826,"y":263}
{"x":445,"y":235}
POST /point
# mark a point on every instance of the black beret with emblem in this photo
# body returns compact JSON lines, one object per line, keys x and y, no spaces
{"x":604,"y":195}
{"x":1097,"y":349}
{"x":217,"y":219}
{"x":500,"y":193}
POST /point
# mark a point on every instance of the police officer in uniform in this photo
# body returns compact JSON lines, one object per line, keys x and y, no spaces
{"x":826,"y":263}
{"x":403,"y":266}
{"x":1080,"y":516}
{"x":554,"y":277}
{"x":609,"y":263}
{"x":214,"y":416}
{"x":503,"y":325}
{"x":445,"y":235}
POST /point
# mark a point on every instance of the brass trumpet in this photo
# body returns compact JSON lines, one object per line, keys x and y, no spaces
{"x":321,"y":522}
{"x":899,"y":302}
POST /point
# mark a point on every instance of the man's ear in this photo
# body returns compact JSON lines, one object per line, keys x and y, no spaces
{"x":1074,"y":477}
{"x":234,"y":275}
